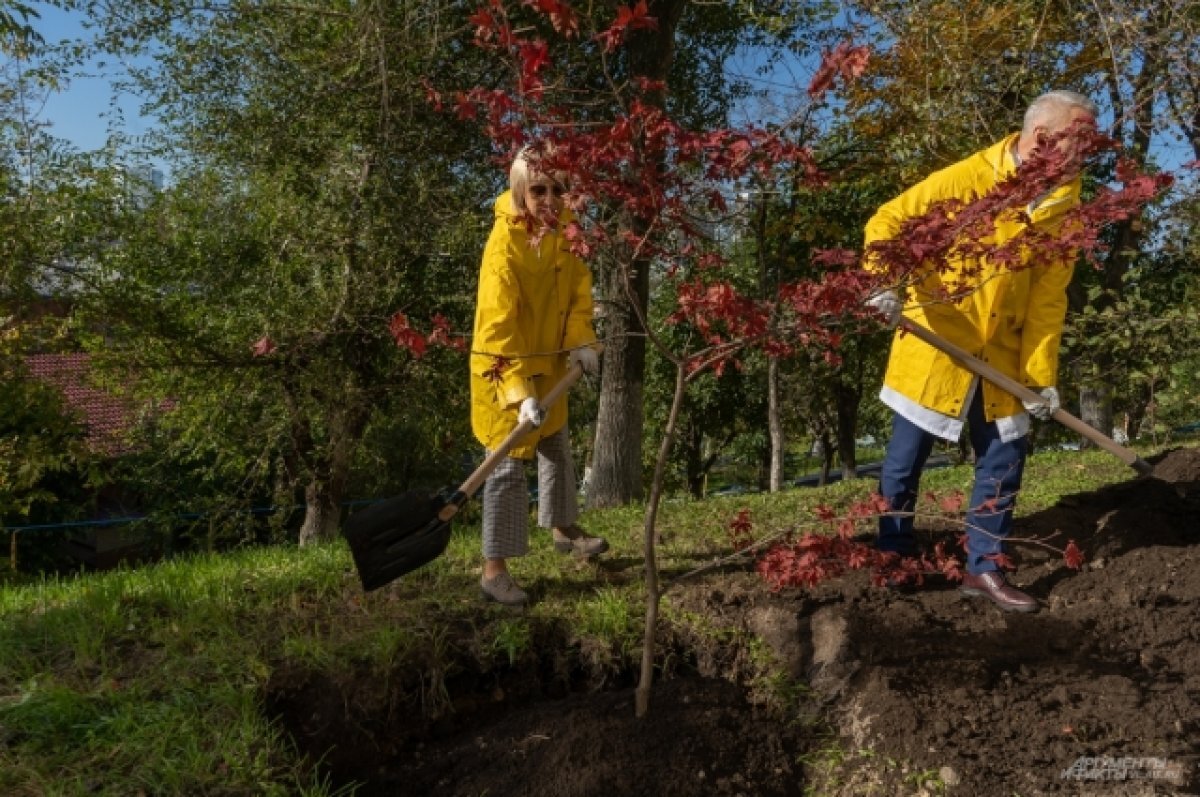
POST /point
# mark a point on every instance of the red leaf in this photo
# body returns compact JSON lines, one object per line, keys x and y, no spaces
{"x":262,"y":347}
{"x":628,"y":18}
{"x":741,"y":529}
{"x":562,"y":16}
{"x":405,"y":336}
{"x":499,"y":366}
{"x":952,"y":503}
{"x":846,"y":60}
{"x":1002,"y":560}
{"x":1072,"y":556}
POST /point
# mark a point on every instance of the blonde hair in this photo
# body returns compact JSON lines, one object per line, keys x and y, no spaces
{"x":518,"y":179}
{"x":524,"y":170}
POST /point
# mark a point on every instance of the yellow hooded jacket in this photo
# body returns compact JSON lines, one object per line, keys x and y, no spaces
{"x":1013,"y":320}
{"x":535,"y":303}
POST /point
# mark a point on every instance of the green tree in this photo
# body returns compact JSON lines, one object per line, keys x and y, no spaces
{"x":321,"y":212}
{"x":953,"y":76}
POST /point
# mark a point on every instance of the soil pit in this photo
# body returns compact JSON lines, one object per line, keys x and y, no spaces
{"x":929,"y":692}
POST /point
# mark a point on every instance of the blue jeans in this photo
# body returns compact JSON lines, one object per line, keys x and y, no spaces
{"x":998,"y":470}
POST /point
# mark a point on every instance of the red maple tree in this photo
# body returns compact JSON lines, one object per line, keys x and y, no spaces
{"x":640,"y":182}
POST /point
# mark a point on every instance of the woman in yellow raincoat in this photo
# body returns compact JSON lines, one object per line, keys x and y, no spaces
{"x":533,"y":319}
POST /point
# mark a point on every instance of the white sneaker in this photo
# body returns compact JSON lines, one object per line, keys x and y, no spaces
{"x":577,"y":541}
{"x":502,"y":589}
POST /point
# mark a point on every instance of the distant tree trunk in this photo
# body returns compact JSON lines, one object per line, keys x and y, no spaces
{"x":693,"y":440}
{"x":326,"y":488}
{"x":848,"y":398}
{"x":775,"y":425}
{"x":617,"y":462}
{"x":322,"y":513}
{"x":826,"y":458}
{"x":1095,"y":408}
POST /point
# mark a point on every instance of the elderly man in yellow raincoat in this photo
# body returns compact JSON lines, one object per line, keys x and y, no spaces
{"x":1011,"y":318}
{"x":533,"y":319}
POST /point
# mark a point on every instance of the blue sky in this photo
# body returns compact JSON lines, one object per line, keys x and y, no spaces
{"x":83,"y":113}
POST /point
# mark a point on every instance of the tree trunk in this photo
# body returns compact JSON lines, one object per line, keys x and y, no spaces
{"x":617,"y":463}
{"x":826,"y":458}
{"x":650,"y":535}
{"x":326,"y":487}
{"x":847,"y":424}
{"x":697,"y":475}
{"x":1095,"y":408}
{"x":775,"y":425}
{"x":617,"y":453}
{"x":322,"y":513}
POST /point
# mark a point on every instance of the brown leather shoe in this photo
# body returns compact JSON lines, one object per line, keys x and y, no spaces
{"x":995,"y":587}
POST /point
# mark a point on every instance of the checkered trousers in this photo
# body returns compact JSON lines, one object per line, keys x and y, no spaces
{"x":506,"y":498}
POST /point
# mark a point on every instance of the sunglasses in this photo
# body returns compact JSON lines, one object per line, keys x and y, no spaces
{"x":539,"y":190}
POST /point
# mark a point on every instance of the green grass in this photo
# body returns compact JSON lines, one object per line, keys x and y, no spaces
{"x":154,"y":680}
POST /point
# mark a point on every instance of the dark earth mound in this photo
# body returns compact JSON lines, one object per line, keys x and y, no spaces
{"x":930,"y":692}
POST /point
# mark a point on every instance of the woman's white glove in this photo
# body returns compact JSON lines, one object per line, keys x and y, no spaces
{"x":1043,"y":409}
{"x":889,"y":306}
{"x":587,"y":358}
{"x":530,"y":411}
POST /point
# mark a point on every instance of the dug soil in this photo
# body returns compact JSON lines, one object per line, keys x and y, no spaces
{"x":906,"y":692}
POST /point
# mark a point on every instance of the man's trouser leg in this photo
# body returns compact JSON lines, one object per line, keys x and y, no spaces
{"x":998,"y":469}
{"x":899,"y":480}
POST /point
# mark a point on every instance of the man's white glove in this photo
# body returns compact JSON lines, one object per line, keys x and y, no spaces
{"x":587,"y":358}
{"x":1045,"y":408}
{"x":530,"y":411}
{"x":889,"y":306}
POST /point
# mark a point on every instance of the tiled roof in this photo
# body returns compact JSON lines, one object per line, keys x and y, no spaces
{"x":107,"y":417}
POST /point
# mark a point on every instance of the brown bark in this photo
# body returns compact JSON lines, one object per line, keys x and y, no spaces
{"x":625,"y":289}
{"x":617,"y":457}
{"x":653,"y":594}
{"x":326,"y":473}
{"x":847,"y":423}
{"x":774,"y":425}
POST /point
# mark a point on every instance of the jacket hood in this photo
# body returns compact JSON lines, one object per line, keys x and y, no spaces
{"x":504,"y":208}
{"x":999,"y":156}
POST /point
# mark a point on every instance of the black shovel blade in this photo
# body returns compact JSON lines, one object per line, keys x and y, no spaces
{"x":396,"y":536}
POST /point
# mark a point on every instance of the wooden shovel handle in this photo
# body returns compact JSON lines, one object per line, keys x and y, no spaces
{"x":469,"y":487}
{"x":1007,"y":383}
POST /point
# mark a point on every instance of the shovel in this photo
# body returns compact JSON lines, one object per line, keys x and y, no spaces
{"x":980,"y":368}
{"x":398,"y":535}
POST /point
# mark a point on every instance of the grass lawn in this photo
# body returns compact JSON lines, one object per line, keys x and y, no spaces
{"x":155,"y":680}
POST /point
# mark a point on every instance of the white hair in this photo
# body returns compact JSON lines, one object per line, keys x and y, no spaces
{"x":1054,"y":107}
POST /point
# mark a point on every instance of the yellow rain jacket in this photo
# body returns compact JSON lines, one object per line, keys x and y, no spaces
{"x":1013,"y":320}
{"x":535,"y":304}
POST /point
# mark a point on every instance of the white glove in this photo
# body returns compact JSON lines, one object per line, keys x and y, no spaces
{"x":530,"y":411}
{"x":889,"y":306}
{"x":1046,"y":407}
{"x":587,"y":358}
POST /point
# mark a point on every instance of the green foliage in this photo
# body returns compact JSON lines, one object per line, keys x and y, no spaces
{"x":38,"y":440}
{"x":316,"y":192}
{"x":15,"y":24}
{"x":1140,"y":343}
